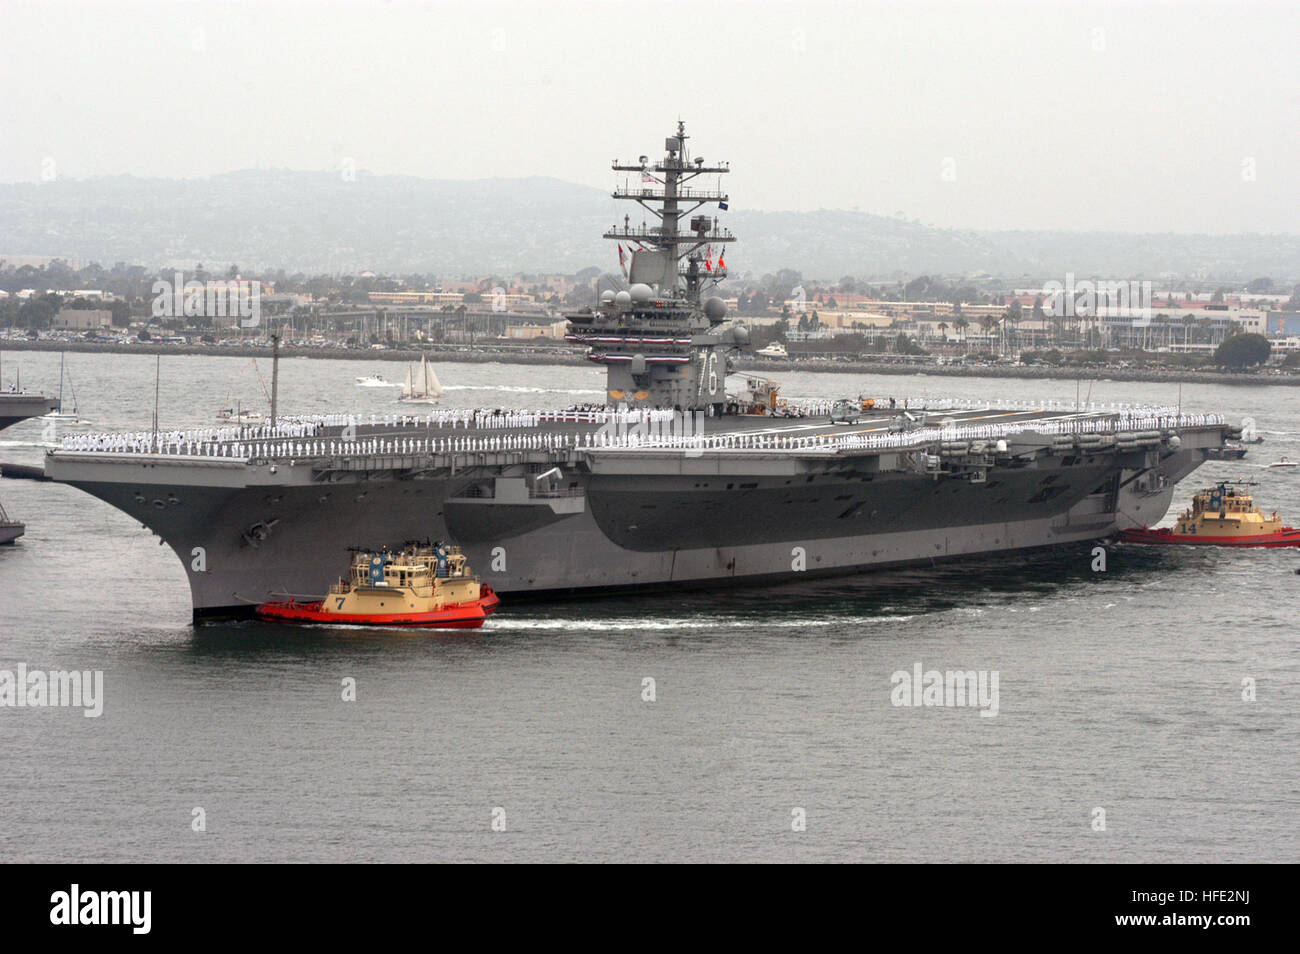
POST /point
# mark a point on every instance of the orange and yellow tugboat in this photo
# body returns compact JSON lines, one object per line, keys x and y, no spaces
{"x":430,"y":586}
{"x":1222,"y":516}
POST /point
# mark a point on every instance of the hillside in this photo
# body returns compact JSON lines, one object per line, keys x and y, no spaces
{"x":316,"y":222}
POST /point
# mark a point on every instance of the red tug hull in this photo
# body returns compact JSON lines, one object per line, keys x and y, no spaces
{"x":1286,"y":537}
{"x":460,"y":616}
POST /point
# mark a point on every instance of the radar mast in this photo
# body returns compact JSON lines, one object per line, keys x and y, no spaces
{"x":671,"y":259}
{"x":664,"y":343}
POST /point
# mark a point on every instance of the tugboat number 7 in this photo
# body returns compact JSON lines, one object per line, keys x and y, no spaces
{"x":428,"y":586}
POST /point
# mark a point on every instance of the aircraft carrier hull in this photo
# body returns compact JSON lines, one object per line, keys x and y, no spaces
{"x":16,"y":407}
{"x":19,"y":407}
{"x":248,"y":532}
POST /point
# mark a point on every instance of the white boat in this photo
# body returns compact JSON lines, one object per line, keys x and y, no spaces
{"x":234,"y":412}
{"x":1284,"y":462}
{"x":61,"y":416}
{"x":422,"y":388}
{"x":374,"y":381}
{"x":774,"y":350}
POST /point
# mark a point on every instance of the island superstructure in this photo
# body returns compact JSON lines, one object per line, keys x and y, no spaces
{"x":664,"y":338}
{"x":658,"y":489}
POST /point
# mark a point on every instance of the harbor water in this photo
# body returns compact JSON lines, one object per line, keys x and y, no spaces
{"x":1148,"y":711}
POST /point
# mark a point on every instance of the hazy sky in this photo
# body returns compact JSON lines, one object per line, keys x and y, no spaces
{"x":1133,"y":116}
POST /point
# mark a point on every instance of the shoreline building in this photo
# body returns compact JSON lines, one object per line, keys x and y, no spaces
{"x":82,"y":319}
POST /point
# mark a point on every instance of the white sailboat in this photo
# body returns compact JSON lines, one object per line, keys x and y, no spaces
{"x":239,"y":414}
{"x":236,"y":413}
{"x":61,"y":416}
{"x":423,"y":388}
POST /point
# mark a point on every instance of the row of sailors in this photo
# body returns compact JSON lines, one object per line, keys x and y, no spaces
{"x":1159,"y":410}
{"x":468,"y":418}
{"x":286,"y":428}
{"x":311,"y":425}
{"x":816,"y":408}
{"x":148,"y":441}
{"x":1122,"y":423}
{"x":517,"y":418}
{"x":145,"y":442}
{"x":486,"y":418}
{"x":435,"y":446}
{"x":1081,"y":407}
{"x":493,"y":418}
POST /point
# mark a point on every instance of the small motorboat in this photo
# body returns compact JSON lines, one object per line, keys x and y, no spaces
{"x":1220,"y":516}
{"x":419,"y":586}
{"x":1284,"y":462}
{"x":374,"y":381}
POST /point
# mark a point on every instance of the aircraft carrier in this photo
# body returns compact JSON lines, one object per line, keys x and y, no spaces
{"x":678,"y":481}
{"x":18,"y":406}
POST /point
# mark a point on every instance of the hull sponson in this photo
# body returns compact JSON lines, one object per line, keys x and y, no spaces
{"x":267,"y":531}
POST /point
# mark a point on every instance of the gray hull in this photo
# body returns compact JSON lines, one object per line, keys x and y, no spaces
{"x":13,"y":409}
{"x":247,"y":533}
{"x":19,"y":407}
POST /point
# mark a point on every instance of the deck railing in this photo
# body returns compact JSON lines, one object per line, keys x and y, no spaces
{"x":437,"y":434}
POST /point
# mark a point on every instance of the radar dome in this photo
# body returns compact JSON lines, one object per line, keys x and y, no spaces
{"x":623,"y":300}
{"x":607,"y":296}
{"x":715,"y":308}
{"x":641,"y":292}
{"x":740,"y":335}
